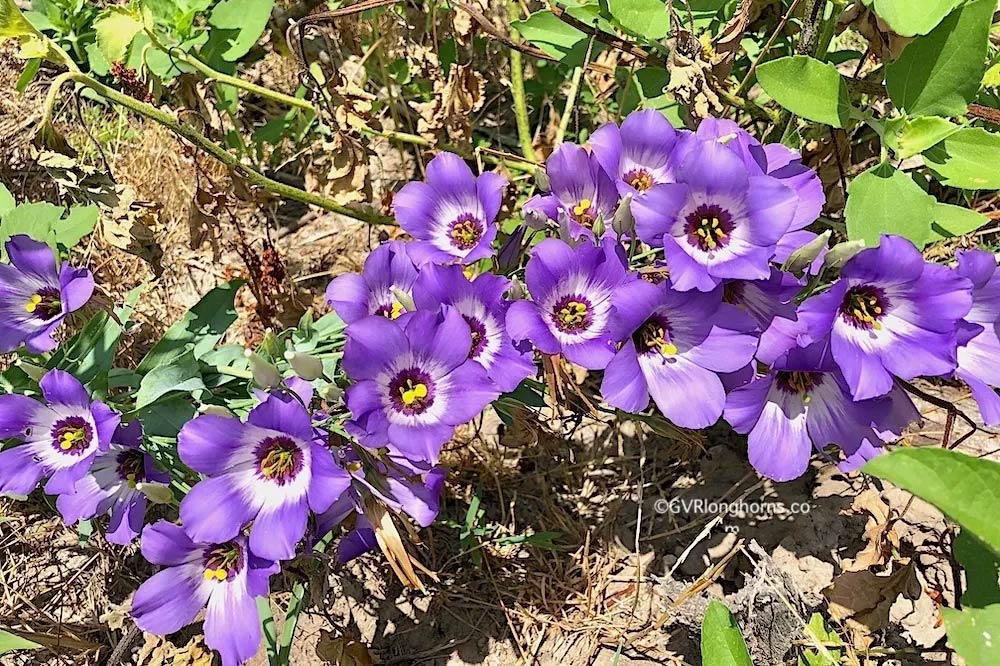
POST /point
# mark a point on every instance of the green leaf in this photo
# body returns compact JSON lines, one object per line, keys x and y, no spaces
{"x":907,"y":137}
{"x":7,"y":202}
{"x":908,"y":20}
{"x":79,"y":223}
{"x":950,"y":220}
{"x":557,"y":38}
{"x":964,"y":488}
{"x":817,"y":633}
{"x":166,"y":418}
{"x":647,"y":18}
{"x":181,"y":375}
{"x":967,"y":159}
{"x":973,"y":634}
{"x":199,"y":330}
{"x":722,"y":643}
{"x":44,"y":222}
{"x":883,"y":200}
{"x":807,"y":87}
{"x":248,"y":19}
{"x":981,"y":566}
{"x":10,"y":642}
{"x":12,"y":21}
{"x":28,"y":74}
{"x":939,"y":74}
{"x":116,"y":28}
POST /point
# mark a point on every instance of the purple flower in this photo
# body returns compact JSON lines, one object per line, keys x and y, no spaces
{"x":414,"y":381}
{"x":979,"y":356}
{"x":676,"y":343}
{"x":805,"y":404}
{"x":389,"y":267}
{"x":113,"y":486}
{"x":574,"y":292}
{"x":452,"y":214}
{"x":61,"y":437}
{"x":269,"y":470}
{"x":638,"y":154}
{"x":890,"y":313}
{"x":482,"y":304}
{"x":774,"y":160}
{"x":36,"y":295}
{"x":403,"y":485}
{"x":719,"y":220}
{"x":225,"y":577}
{"x":581,"y":189}
{"x":770,"y":303}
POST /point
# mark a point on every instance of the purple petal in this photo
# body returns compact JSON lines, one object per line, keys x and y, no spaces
{"x":469,"y":392}
{"x":286,"y":415}
{"x":657,"y":210}
{"x":232,"y":625}
{"x":414,"y":206}
{"x":358,"y":542}
{"x":745,"y":404}
{"x":61,"y":388}
{"x":19,"y":472}
{"x":687,"y":394}
{"x":524,"y":322}
{"x":372,"y":343}
{"x":277,"y":530}
{"x":169,"y":601}
{"x":442,"y":337}
{"x":207,"y":443}
{"x":623,"y":385}
{"x":215,"y":510}
{"x":348,"y":296}
{"x":166,"y":544}
{"x":593,"y":354}
{"x":420,"y":442}
{"x":328,"y":482}
{"x":17,"y":412}
{"x":714,"y":169}
{"x":77,"y":286}
{"x":771,"y":207}
{"x":490,"y":188}
{"x":779,"y":446}
{"x":686,"y":273}
{"x":896,"y":260}
{"x":32,"y":257}
{"x":126,"y":520}
{"x":864,"y":372}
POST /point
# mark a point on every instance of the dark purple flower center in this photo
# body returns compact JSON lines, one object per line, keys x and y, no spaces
{"x":72,"y":435}
{"x":654,"y":337}
{"x":44,"y":304}
{"x":478,"y":330}
{"x":640,"y":179}
{"x":279,"y":459}
{"x":466,"y":231}
{"x":572,"y":313}
{"x":709,"y":227}
{"x":131,"y":466}
{"x":411,"y":391}
{"x":223,"y":561}
{"x":864,"y":306}
{"x":797,"y":382}
{"x":584,"y":213}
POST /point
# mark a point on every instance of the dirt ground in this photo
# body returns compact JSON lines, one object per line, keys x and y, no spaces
{"x":609,"y":581}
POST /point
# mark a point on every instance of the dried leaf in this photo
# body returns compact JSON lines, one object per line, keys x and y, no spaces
{"x":339,"y":169}
{"x":342,"y":651}
{"x":391,"y":544}
{"x":129,"y":227}
{"x":689,"y":84}
{"x":448,"y":114}
{"x":863,"y":598}
{"x":881,"y":539}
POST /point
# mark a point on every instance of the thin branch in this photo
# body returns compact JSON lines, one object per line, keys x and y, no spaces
{"x":252,"y":176}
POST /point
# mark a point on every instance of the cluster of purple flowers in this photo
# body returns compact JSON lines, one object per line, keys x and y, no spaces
{"x":664,"y":262}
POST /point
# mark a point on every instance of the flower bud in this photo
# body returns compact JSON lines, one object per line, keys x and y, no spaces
{"x":157,"y":493}
{"x":623,"y":223}
{"x":215,"y":410}
{"x":306,"y":366}
{"x":33,"y":371}
{"x":270,"y":343}
{"x":542,"y":180}
{"x":509,"y":256}
{"x":333,"y":393}
{"x":265,"y":375}
{"x":841,"y":253}
{"x":535,"y":220}
{"x":800,"y":260}
{"x":599,"y":228}
{"x":516,"y":292}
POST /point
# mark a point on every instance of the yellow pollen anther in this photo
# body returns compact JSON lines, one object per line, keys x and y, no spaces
{"x":582,"y":207}
{"x":397,"y":310}
{"x":807,"y":399}
{"x":354,"y":467}
{"x":668,"y":349}
{"x":33,"y":303}
{"x":412,"y":395}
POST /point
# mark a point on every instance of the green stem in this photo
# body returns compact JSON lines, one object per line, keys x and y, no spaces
{"x":520,"y":101}
{"x":251,"y":175}
{"x":574,"y":89}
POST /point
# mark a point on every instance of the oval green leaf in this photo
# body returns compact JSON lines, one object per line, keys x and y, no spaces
{"x":807,"y":87}
{"x":722,"y":642}
{"x":884,"y":200}
{"x":967,"y":159}
{"x":939,"y":74}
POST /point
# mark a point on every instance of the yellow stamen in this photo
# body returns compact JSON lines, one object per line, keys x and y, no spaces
{"x":668,"y":349}
{"x":582,"y":207}
{"x":354,"y":467}
{"x":397,"y":310}
{"x":412,"y":395}
{"x":33,"y":303}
